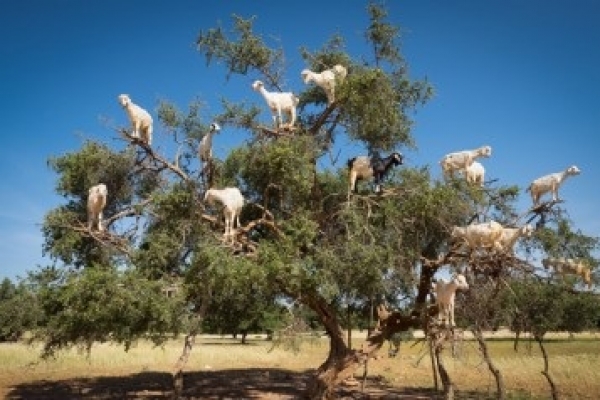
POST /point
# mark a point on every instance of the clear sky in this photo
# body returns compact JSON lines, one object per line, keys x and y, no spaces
{"x":519,"y":75}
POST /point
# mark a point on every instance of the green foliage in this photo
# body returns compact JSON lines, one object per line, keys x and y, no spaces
{"x":239,"y":115}
{"x":279,"y":171}
{"x":371,"y":105}
{"x":78,"y":171}
{"x":94,"y":163}
{"x":303,"y":241}
{"x":99,"y":305}
{"x":382,"y":35}
{"x":581,"y":312}
{"x":562,"y":240}
{"x":18,"y":310}
{"x":541,"y":305}
{"x":242,"y":54}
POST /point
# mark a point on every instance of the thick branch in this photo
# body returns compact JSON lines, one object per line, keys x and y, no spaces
{"x":128,"y":212}
{"x":322,"y":118}
{"x":105,"y":239}
{"x":173,"y":167}
{"x":276,"y":133}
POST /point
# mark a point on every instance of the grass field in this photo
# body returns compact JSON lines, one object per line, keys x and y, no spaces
{"x":222,"y":368}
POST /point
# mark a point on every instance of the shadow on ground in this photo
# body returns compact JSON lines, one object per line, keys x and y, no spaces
{"x":233,"y":384}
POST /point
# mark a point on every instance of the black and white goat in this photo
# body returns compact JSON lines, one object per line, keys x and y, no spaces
{"x":365,"y":167}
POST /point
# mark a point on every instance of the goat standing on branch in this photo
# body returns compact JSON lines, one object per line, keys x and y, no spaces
{"x":550,"y":183}
{"x":511,"y":235}
{"x":365,"y":167}
{"x":475,"y":174}
{"x":141,"y":121}
{"x":205,"y":151}
{"x":460,"y":161}
{"x":205,"y":148}
{"x":232,"y":200}
{"x":95,"y":205}
{"x":279,"y":103}
{"x":326,"y":80}
{"x":484,"y":235}
{"x":569,"y":267}
{"x":445,"y":292}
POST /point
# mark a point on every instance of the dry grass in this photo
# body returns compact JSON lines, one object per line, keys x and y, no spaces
{"x":256,"y":370}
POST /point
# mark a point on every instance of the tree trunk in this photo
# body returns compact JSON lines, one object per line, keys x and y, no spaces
{"x":188,"y":345}
{"x":343,"y":361}
{"x":427,"y":273}
{"x":349,"y":325}
{"x":337,"y":366}
{"x":553,"y":389}
{"x":445,"y":378}
{"x":516,"y":341}
{"x":434,"y":367}
{"x":501,"y":392}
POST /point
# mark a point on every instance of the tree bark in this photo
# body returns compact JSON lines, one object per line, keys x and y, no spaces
{"x":444,"y":376}
{"x":189,"y":341}
{"x":342,"y":361}
{"x":340,"y":357}
{"x":501,"y":391}
{"x":546,"y":372}
{"x":434,"y":367}
{"x":188,"y":345}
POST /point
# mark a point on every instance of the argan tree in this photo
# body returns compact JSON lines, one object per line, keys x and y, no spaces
{"x":301,"y":240}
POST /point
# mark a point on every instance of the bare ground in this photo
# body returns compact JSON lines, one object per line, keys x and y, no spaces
{"x":234,"y":384}
{"x":232,"y":371}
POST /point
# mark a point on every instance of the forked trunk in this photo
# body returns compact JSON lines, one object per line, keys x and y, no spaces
{"x":339,"y":365}
{"x":342,"y":361}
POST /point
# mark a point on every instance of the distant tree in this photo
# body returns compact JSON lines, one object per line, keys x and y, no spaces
{"x":239,"y":309}
{"x":18,"y":311}
{"x":97,"y":305}
{"x":581,"y":312}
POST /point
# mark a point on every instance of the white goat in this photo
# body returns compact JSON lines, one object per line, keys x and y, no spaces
{"x":205,"y":148}
{"x":550,"y":183}
{"x":95,"y":205}
{"x":232,"y":200}
{"x":461,"y":160}
{"x":569,"y":266}
{"x":475,"y":174}
{"x":511,"y":235}
{"x":326,"y":80}
{"x":141,"y":121}
{"x":483,"y":235}
{"x":279,"y":103}
{"x":445,"y":292}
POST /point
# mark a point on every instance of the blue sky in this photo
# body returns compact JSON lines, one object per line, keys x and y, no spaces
{"x":519,"y":75}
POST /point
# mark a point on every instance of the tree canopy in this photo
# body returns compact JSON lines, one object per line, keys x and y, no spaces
{"x":302,"y":241}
